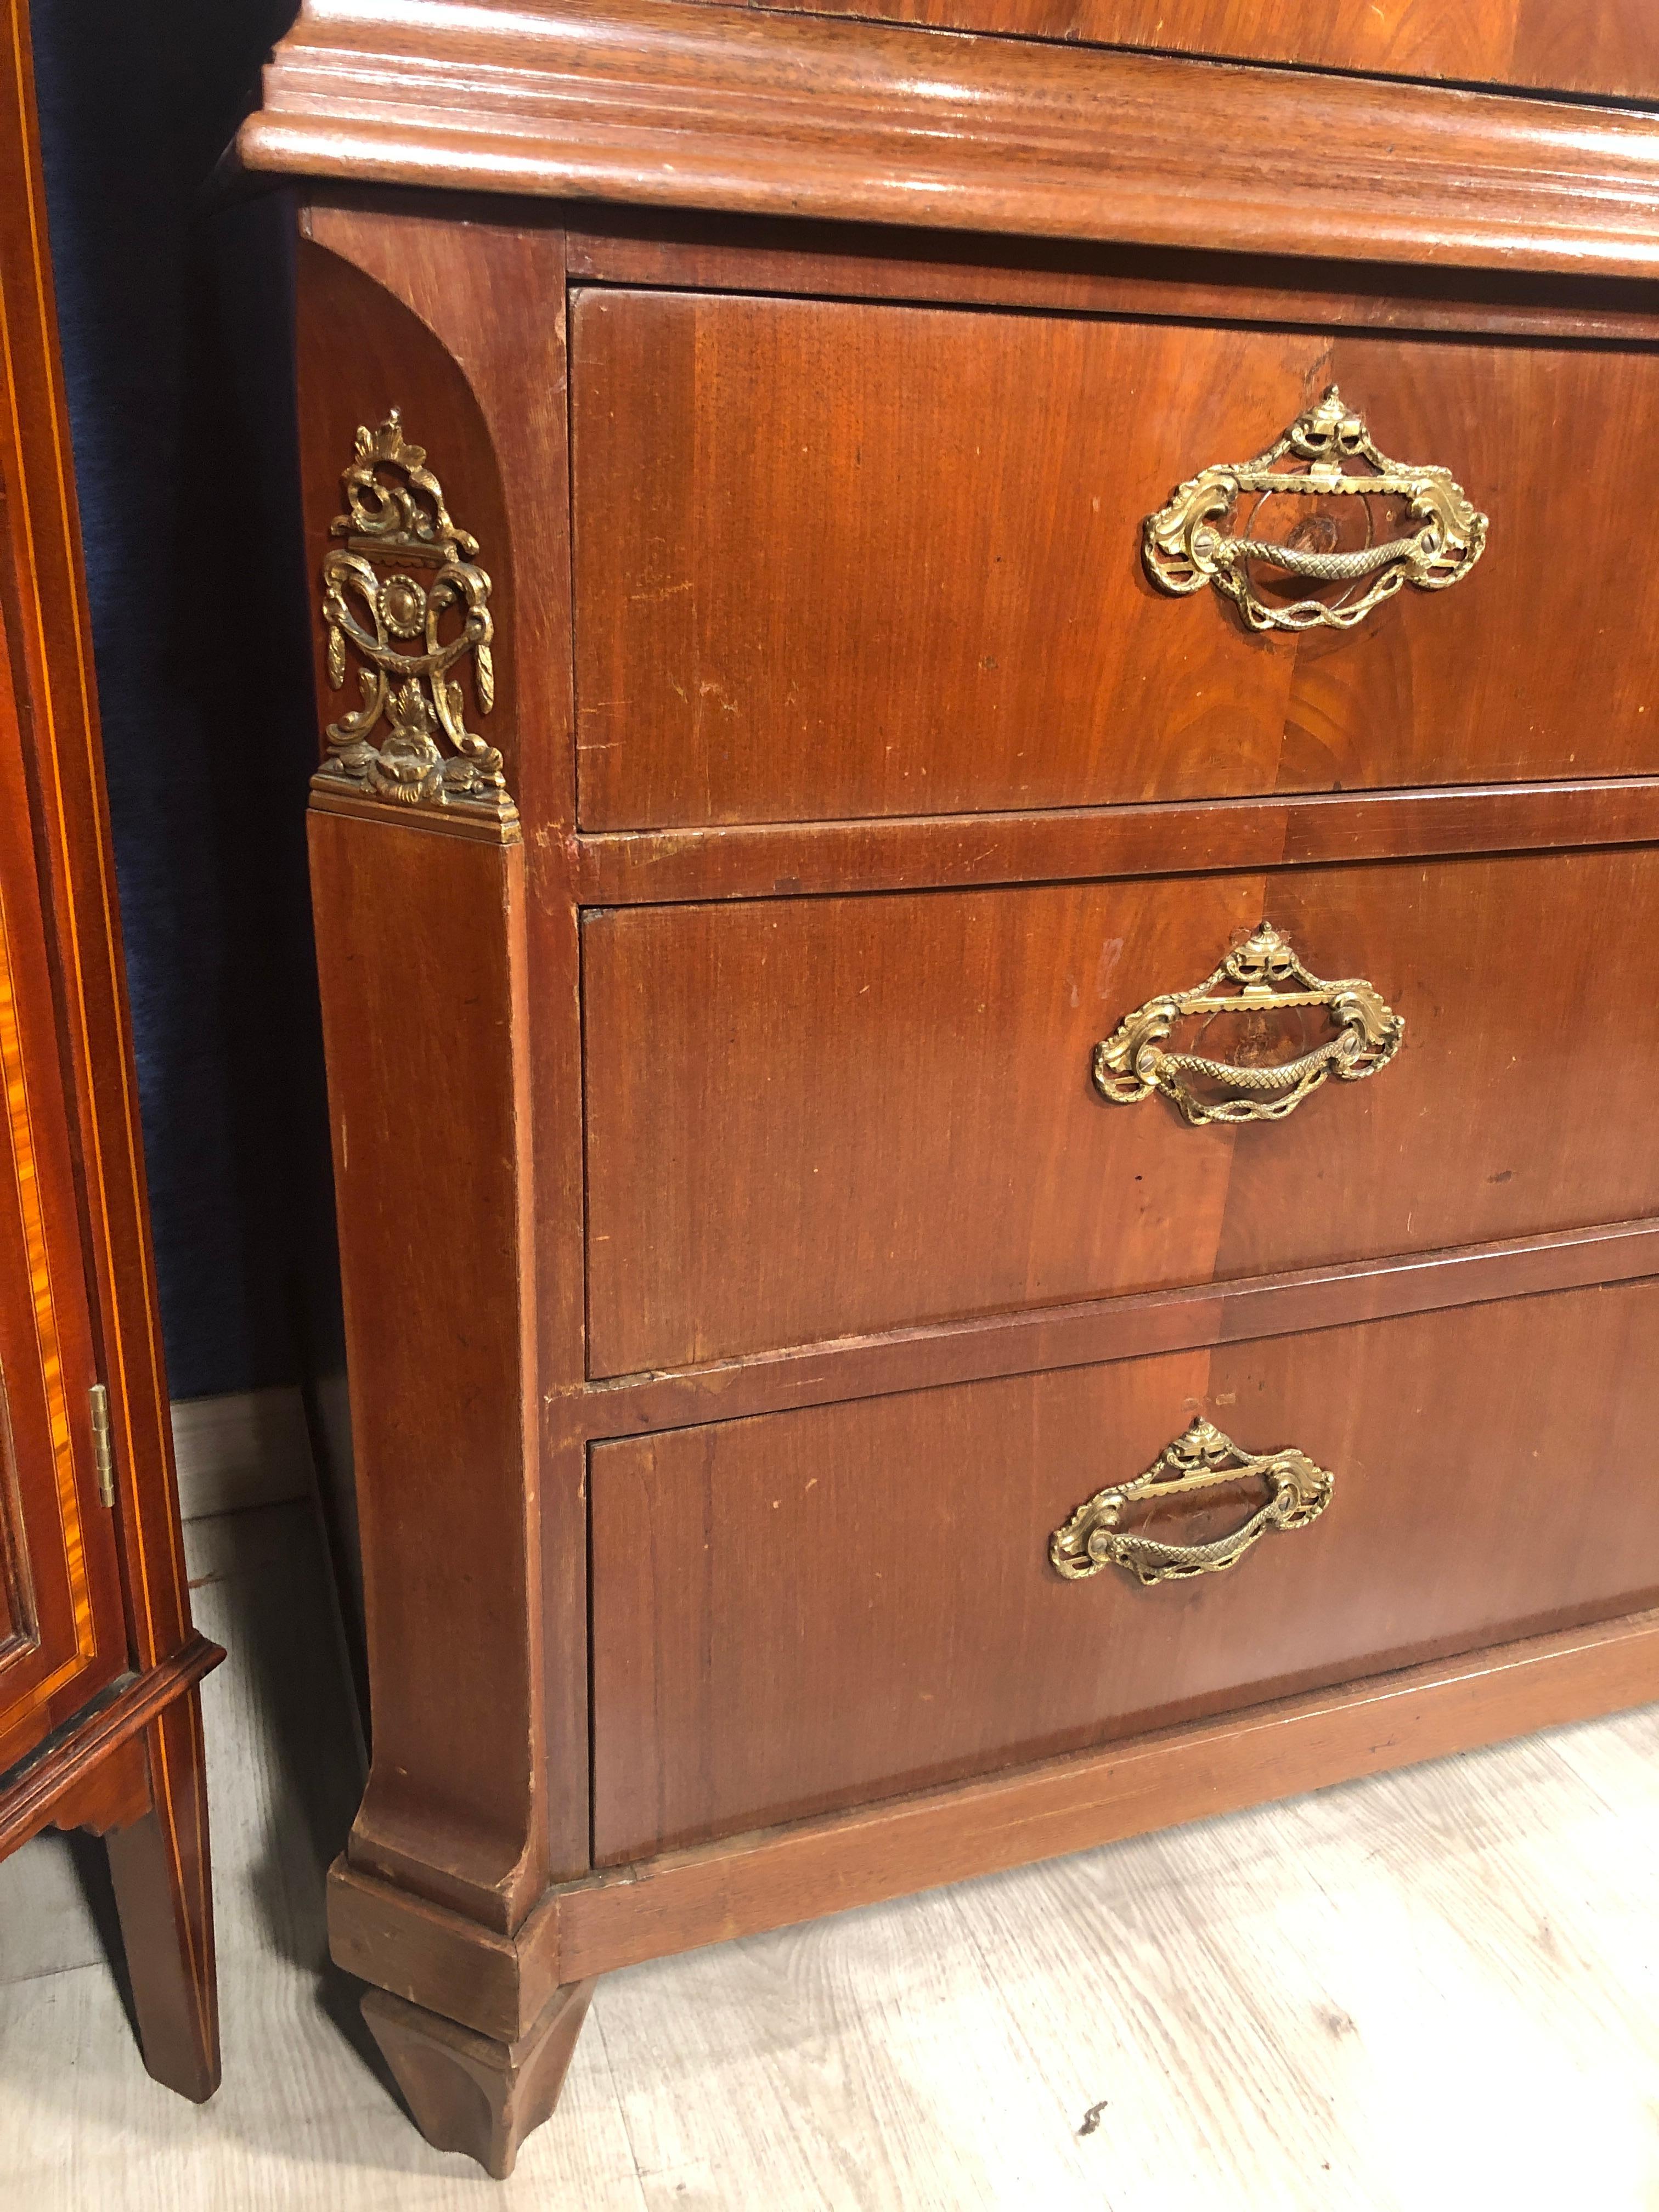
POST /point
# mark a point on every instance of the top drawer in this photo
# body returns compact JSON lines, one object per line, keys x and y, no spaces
{"x":838,"y":560}
{"x":1553,"y":45}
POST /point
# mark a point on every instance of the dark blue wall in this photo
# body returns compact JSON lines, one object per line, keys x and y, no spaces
{"x":177,"y":347}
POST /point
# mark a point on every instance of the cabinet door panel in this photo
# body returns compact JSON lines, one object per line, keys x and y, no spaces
{"x":59,"y":1589}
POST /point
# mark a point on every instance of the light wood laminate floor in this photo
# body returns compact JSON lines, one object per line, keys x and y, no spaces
{"x":1434,"y":1989}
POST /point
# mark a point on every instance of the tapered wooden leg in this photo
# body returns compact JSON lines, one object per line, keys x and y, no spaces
{"x":159,"y":1869}
{"x":466,"y":2091}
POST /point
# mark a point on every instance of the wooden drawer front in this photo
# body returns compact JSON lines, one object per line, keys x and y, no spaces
{"x":803,"y":1611}
{"x":1554,"y":45}
{"x":824,"y":1117}
{"x":838,"y":560}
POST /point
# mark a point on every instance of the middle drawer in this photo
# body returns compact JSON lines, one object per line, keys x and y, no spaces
{"x":823,"y":1117}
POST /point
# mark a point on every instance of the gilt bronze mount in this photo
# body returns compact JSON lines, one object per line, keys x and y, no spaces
{"x":1202,"y":1458}
{"x":1327,"y":453}
{"x":1268,"y":977}
{"x":411,"y":632}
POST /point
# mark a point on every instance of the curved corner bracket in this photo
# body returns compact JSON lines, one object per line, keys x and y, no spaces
{"x":1327,"y":453}
{"x":408,"y":744}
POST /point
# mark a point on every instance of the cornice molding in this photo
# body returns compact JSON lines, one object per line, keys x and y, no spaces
{"x":737,"y":110}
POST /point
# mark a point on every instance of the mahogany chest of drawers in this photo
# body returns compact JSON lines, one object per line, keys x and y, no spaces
{"x":986,"y":883}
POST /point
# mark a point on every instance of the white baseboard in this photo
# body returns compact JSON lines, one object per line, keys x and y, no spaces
{"x":248,"y":1448}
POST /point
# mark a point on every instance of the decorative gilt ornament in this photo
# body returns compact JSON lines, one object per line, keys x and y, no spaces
{"x":1185,"y":546}
{"x":408,"y":742}
{"x":1297,"y":1493}
{"x":1267,"y":978}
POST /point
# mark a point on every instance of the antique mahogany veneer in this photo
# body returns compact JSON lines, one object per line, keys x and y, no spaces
{"x":101,"y":1665}
{"x":986,"y":873}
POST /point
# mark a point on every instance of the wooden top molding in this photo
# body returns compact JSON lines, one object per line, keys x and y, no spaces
{"x":734,"y":109}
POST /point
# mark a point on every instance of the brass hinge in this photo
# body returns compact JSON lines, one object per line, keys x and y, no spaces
{"x":103,"y":1456}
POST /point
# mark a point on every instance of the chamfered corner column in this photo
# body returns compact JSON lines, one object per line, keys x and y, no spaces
{"x":423,"y":924}
{"x":420,"y":927}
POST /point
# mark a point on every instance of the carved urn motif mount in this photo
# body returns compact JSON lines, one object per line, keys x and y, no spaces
{"x":396,"y":521}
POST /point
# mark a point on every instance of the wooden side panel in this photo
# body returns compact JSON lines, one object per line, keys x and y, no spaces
{"x":1554,"y":45}
{"x":76,"y":1293}
{"x":92,"y":1586}
{"x":58,"y":1568}
{"x":814,"y":1118}
{"x":854,"y":559}
{"x":781,"y":1626}
{"x":421,"y":950}
{"x":104,"y":1263}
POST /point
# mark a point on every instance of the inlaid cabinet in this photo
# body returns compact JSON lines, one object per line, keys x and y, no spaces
{"x":985,"y":856}
{"x":99,"y":1662}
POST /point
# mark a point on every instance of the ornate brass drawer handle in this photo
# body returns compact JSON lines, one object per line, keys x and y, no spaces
{"x":1185,"y":547}
{"x":1132,"y":1062}
{"x":1092,"y":1539}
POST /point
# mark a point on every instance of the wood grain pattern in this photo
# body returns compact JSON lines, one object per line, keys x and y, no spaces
{"x":941,"y":851}
{"x":495,"y":1985}
{"x":97,"y":1590}
{"x":363,"y":351}
{"x":70,"y":1638}
{"x":44,"y":1790}
{"x":467,"y":2093}
{"x":1362,"y":1937}
{"x":115,"y":1793}
{"x":756,"y":1584}
{"x":715,"y":1892}
{"x":400,"y":300}
{"x":1481,"y":1919}
{"x":441,"y":1357}
{"x":872,"y":1276}
{"x":771,"y":1878}
{"x":1036,"y":1338}
{"x":648,"y":101}
{"x":66,"y":876}
{"x":161,"y":1870}
{"x":1573,"y":706}
{"x":680,"y":251}
{"x":1551,"y":44}
{"x":787,"y":1099}
{"x":960,"y":618}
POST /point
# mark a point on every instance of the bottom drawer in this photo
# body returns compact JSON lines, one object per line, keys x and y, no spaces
{"x":807,"y":1610}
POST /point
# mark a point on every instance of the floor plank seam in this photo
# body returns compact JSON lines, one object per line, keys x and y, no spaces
{"x":595,"y":2026}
